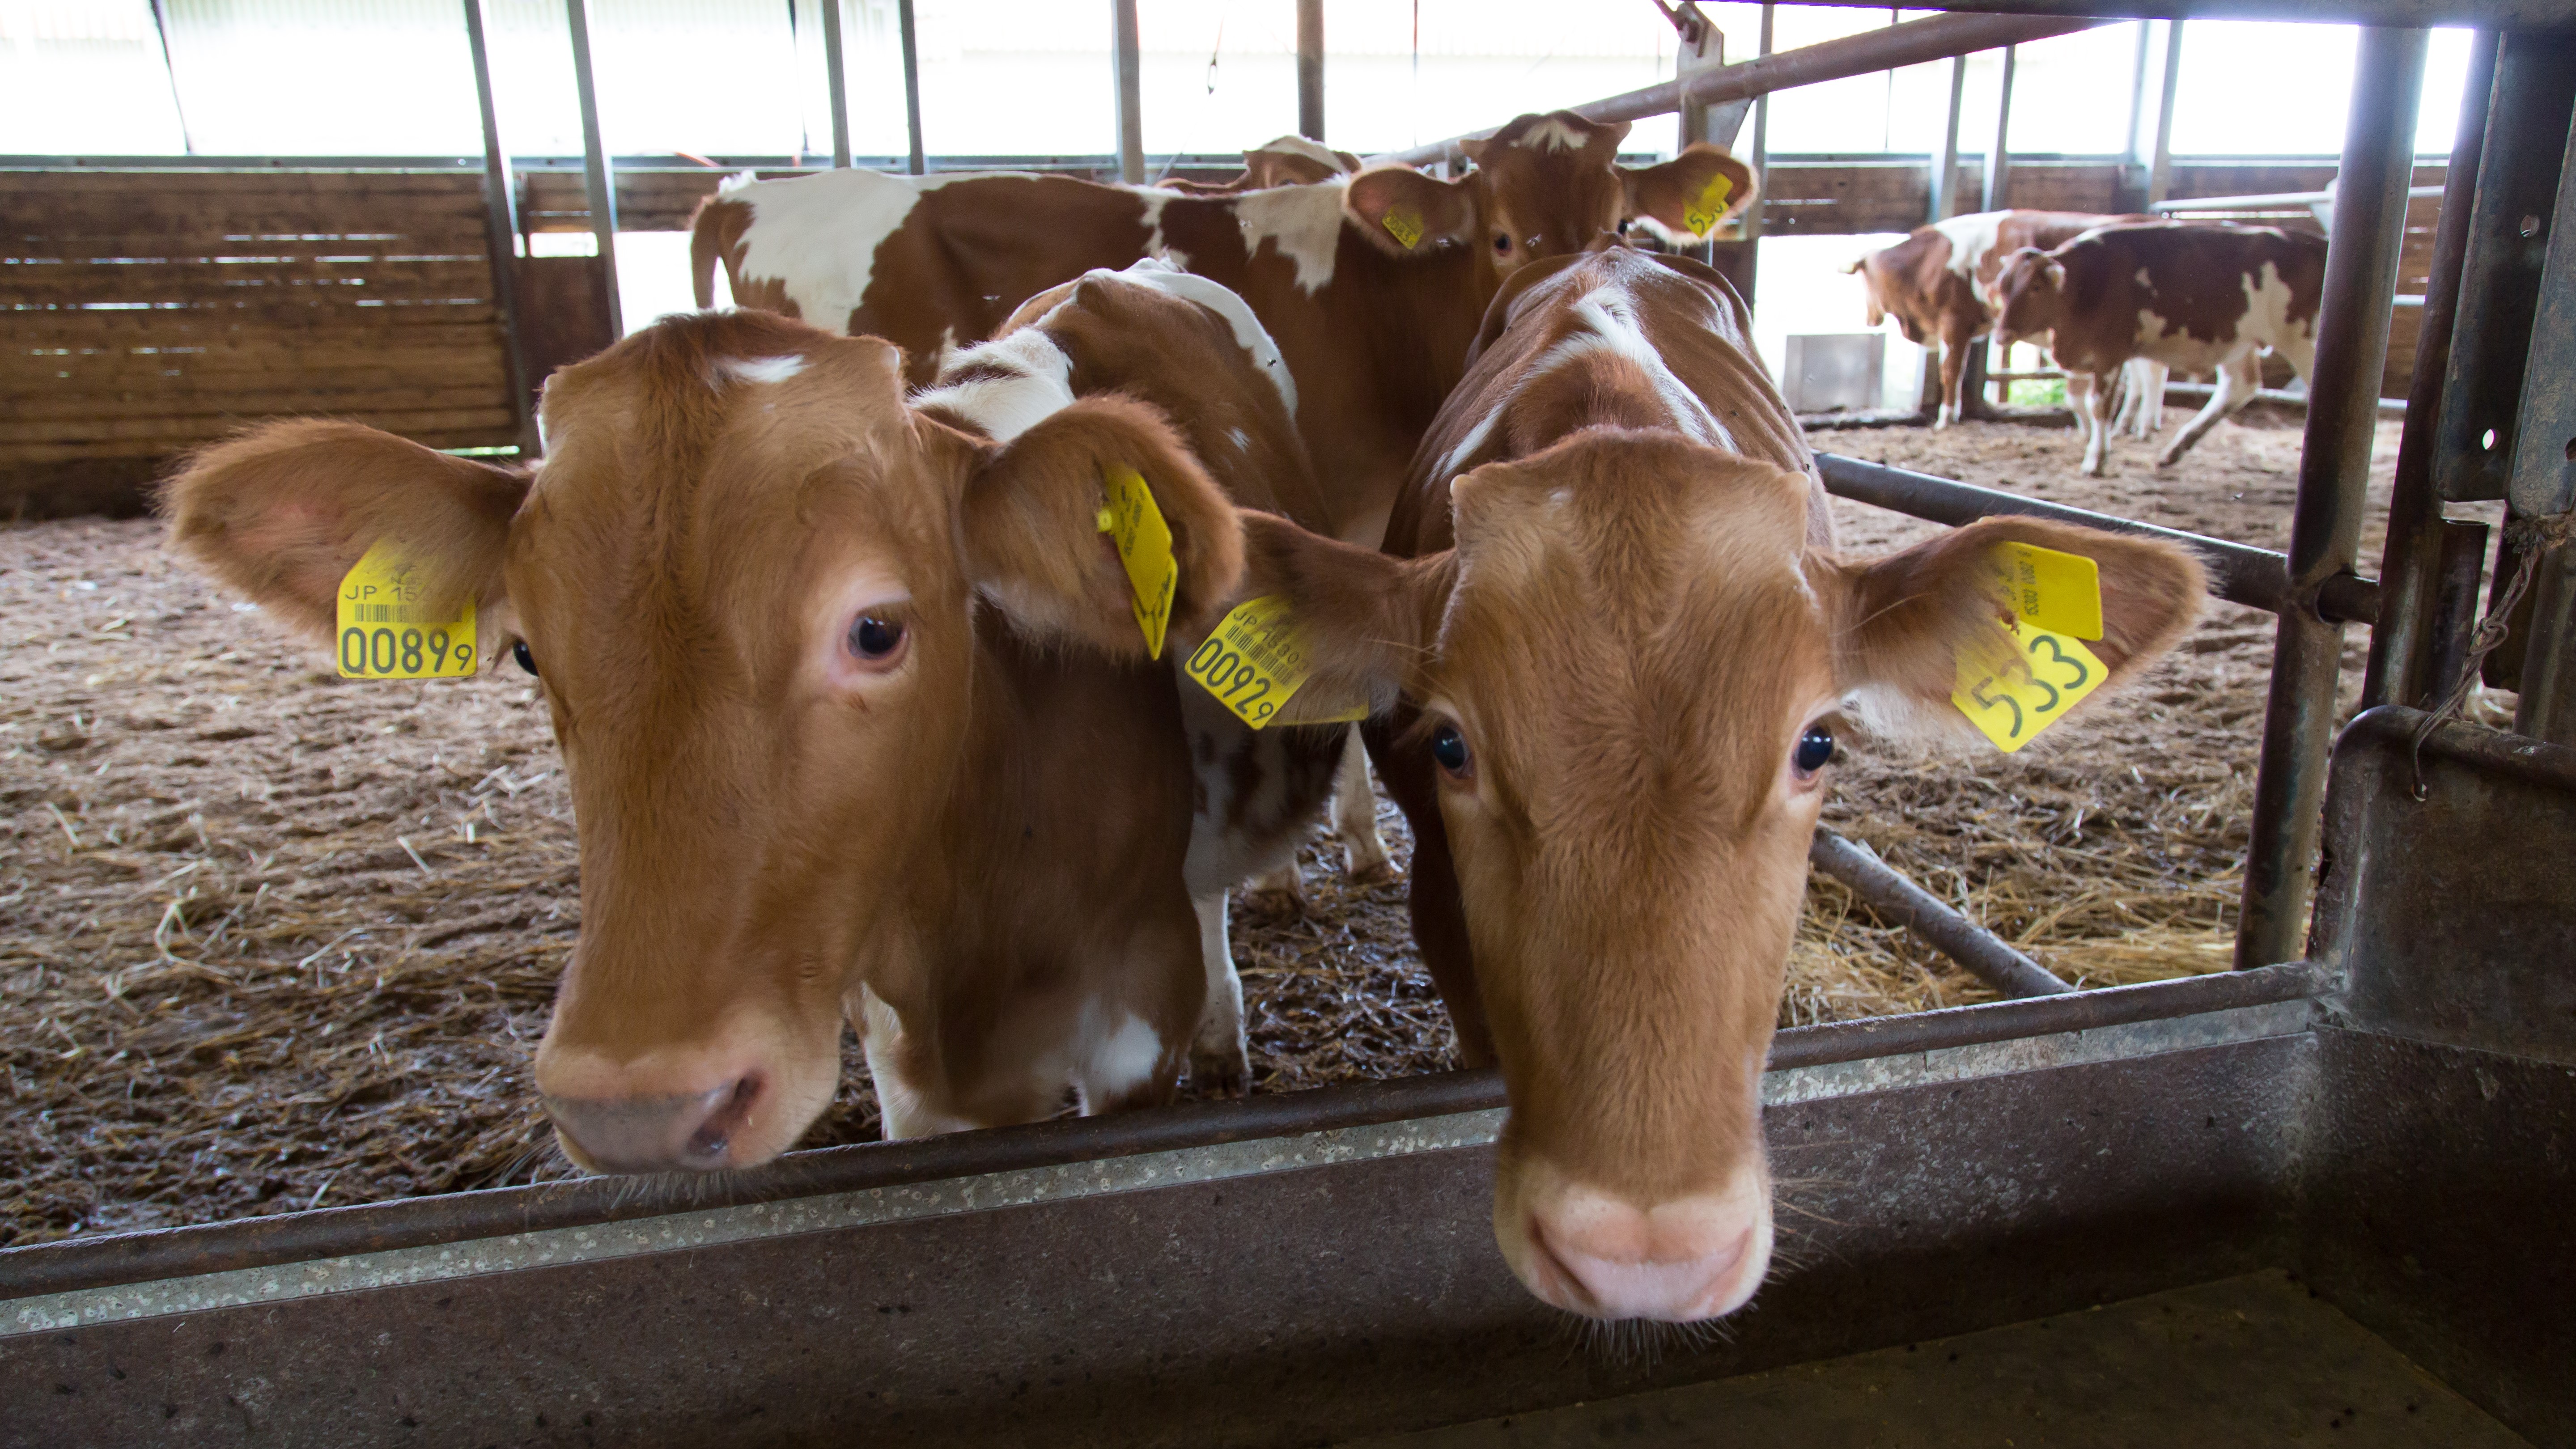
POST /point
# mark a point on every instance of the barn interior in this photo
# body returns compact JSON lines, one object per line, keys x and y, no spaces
{"x":2287,"y":1159}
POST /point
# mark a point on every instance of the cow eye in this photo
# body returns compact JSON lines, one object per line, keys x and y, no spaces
{"x":1449,"y":751}
{"x":1815,"y":749}
{"x":1502,"y":241}
{"x":519,"y":652}
{"x":876,"y":641}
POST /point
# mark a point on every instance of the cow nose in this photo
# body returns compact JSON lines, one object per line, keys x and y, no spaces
{"x":686,"y":1133}
{"x":1678,"y":1262}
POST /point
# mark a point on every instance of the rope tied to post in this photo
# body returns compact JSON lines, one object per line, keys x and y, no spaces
{"x":2532,"y":538}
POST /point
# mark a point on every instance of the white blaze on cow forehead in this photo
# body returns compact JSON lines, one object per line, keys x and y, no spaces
{"x":1034,"y":382}
{"x":759,"y":369}
{"x":1610,"y":324}
{"x":818,"y":235}
{"x":1302,"y":224}
{"x":1551,"y":135}
{"x":1970,"y":238}
{"x":1216,"y":297}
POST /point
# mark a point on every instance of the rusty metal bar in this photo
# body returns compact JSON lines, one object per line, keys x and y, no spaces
{"x":1912,"y":43}
{"x":2412,"y":575}
{"x":1127,"y":68}
{"x":1310,"y":69}
{"x":501,"y":232}
{"x":836,"y":79}
{"x":2334,"y":471}
{"x":1945,"y":162}
{"x":1880,"y":887}
{"x":1999,"y":157}
{"x":601,"y":183}
{"x":914,"y":163}
{"x":2160,"y":169}
{"x":2239,"y":573}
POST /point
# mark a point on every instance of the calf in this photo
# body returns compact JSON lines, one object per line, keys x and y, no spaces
{"x":857,"y":718}
{"x":2198,"y":298}
{"x":1288,"y":161}
{"x":1933,"y":283}
{"x":1620,"y":653}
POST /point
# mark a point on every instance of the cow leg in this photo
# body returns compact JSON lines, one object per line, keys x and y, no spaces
{"x":2238,"y":379}
{"x":903,"y":1108}
{"x":2142,"y":401}
{"x":1284,"y":887}
{"x":2088,"y":396}
{"x":1364,"y":857}
{"x":1954,"y":368}
{"x":1220,"y":1057}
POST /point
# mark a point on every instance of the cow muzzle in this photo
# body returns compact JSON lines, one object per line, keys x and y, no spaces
{"x":689,"y":1132}
{"x":1678,"y":1261}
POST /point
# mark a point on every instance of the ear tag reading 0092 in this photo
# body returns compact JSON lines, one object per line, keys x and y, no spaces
{"x":1404,"y":226}
{"x":1701,"y":216}
{"x":1255,"y":661}
{"x":387,"y":630}
{"x":1144,"y":542}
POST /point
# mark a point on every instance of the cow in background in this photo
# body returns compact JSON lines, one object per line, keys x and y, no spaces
{"x":1933,"y":283}
{"x":2193,"y":297}
{"x":1287,"y":161}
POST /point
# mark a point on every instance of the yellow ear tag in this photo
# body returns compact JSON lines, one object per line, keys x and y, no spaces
{"x":1701,"y":216}
{"x":1255,"y":661}
{"x":388,"y":632}
{"x":2056,"y":591}
{"x":2023,"y":695}
{"x":1404,"y":226}
{"x":1144,"y":543}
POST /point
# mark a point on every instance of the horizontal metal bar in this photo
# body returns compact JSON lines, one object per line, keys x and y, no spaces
{"x":2482,"y":14}
{"x":2239,"y":573}
{"x":2274,"y":200}
{"x":1880,"y":887}
{"x":1915,"y":41}
{"x":2389,"y":407}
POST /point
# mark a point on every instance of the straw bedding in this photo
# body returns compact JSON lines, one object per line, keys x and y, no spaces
{"x":273,"y":939}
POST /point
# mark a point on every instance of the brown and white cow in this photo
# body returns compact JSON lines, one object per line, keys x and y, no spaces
{"x":1287,"y":161}
{"x":1933,"y":283}
{"x":1623,"y":651}
{"x":2193,"y":297}
{"x":857,"y":718}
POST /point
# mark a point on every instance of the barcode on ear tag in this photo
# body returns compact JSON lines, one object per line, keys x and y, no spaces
{"x":1701,"y":216}
{"x":387,"y":629}
{"x":1404,"y":226}
{"x":2057,"y":591}
{"x":1144,"y":542}
{"x":2023,"y":691}
{"x":1256,"y":660}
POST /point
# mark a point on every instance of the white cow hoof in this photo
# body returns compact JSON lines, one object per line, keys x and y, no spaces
{"x":1283,"y":889}
{"x":1221,"y":1062}
{"x":2166,"y":460}
{"x":1377,"y":868}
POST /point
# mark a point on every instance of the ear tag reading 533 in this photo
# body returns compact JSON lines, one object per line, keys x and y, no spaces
{"x":2020,"y":697}
{"x":1144,"y":543}
{"x":1255,"y":661}
{"x":2057,"y":591}
{"x":1701,"y":215}
{"x":387,"y":630}
{"x":1404,"y":226}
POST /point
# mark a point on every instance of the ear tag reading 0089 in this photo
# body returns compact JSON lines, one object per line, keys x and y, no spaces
{"x":1255,"y":661}
{"x":386,"y":629}
{"x":1144,"y":542}
{"x":1404,"y":226}
{"x":1701,"y":216}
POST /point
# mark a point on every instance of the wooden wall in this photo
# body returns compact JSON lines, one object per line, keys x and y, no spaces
{"x":149,"y":311}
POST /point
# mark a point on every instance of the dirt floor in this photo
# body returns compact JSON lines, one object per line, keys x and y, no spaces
{"x":274,"y":939}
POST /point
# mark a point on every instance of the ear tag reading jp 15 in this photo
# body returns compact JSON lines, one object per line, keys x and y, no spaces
{"x":1144,"y":542}
{"x":1701,"y":215}
{"x":1255,"y":661}
{"x":387,"y":630}
{"x":2056,"y":601}
{"x":1404,"y":226}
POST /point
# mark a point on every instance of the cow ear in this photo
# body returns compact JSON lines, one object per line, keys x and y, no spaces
{"x":283,"y":512}
{"x":1910,"y":621}
{"x":1368,"y":621}
{"x":1030,"y":519}
{"x":1408,"y":214}
{"x":1693,"y":194}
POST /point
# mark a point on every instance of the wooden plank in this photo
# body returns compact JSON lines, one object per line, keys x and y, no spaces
{"x":472,"y":429}
{"x":279,"y":182}
{"x":24,"y":217}
{"x":129,"y":246}
{"x":69,"y":433}
{"x":82,"y":415}
{"x":2043,"y":187}
{"x":189,"y":281}
{"x":236,"y":317}
{"x":126,"y":367}
{"x":1846,"y":199}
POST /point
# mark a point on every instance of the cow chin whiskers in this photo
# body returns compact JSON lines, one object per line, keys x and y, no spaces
{"x":1641,"y":1343}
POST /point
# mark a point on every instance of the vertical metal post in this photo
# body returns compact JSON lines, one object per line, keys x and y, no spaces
{"x":601,"y":185}
{"x":1310,"y":69}
{"x":2542,"y":478}
{"x":2130,"y":166}
{"x":1999,"y":156}
{"x":2334,"y":468}
{"x":1945,"y":166}
{"x":501,"y":231}
{"x":1701,"y":45}
{"x":1126,"y":67}
{"x":836,"y":75}
{"x":911,"y":85}
{"x":2160,"y":171}
{"x":2403,"y":642}
{"x":1761,"y":161}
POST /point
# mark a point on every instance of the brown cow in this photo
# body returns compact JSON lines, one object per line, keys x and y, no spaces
{"x":1624,"y":650}
{"x":2194,"y":297}
{"x":1288,"y":161}
{"x":857,"y":718}
{"x":1933,"y":283}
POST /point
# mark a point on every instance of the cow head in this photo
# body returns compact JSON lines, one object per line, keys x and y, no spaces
{"x":1631,"y":672}
{"x":1547,"y":186}
{"x":749,"y":580}
{"x":2027,"y":295}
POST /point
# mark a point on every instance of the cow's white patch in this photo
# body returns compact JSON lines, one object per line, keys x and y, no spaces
{"x":818,"y":235}
{"x":1154,"y":198}
{"x":1301,"y":223}
{"x":1242,"y":442}
{"x":1315,"y":151}
{"x":899,"y":1101}
{"x":1037,"y":383}
{"x":1970,"y":237}
{"x":1116,"y":1052}
{"x":1551,"y":135}
{"x":1610,"y":324}
{"x":760,"y":369}
{"x":1457,"y":457}
{"x":1215,"y":296}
